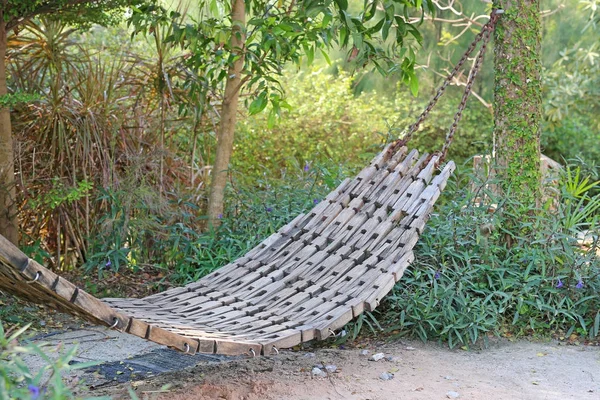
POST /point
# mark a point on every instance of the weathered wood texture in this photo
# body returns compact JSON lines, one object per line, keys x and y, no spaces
{"x":310,"y":278}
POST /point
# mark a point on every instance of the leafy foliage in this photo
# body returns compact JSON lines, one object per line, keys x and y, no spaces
{"x":469,"y":281}
{"x":18,"y":382}
{"x":253,"y":212}
{"x":78,"y":140}
{"x":381,"y":34}
{"x":328,"y":121}
{"x":83,"y":13}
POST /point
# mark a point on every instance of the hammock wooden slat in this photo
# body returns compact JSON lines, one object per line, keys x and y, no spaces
{"x":304,"y":282}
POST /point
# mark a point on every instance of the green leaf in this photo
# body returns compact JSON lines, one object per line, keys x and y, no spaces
{"x":342,"y":4}
{"x":386,"y":29}
{"x":325,"y":56}
{"x":258,"y":104}
{"x":414,"y":84}
{"x":415,"y":32}
{"x":370,"y":11}
{"x":310,"y":54}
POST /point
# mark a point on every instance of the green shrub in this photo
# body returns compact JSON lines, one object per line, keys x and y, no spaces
{"x":472,"y":277}
{"x":328,"y":123}
{"x":18,"y":382}
{"x":576,"y":136}
{"x":253,"y":212}
{"x":325,"y":122}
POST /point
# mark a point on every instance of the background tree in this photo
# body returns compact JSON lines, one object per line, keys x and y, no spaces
{"x":226,"y":53}
{"x":13,"y":14}
{"x":228,"y":111}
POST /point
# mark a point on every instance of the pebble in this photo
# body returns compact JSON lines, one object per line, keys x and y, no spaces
{"x":392,"y":359}
{"x":364,"y":352}
{"x":318,"y":372}
{"x":320,"y":366}
{"x":386,"y":376}
{"x":377,"y":357}
{"x":309,"y":355}
{"x":331,"y":368}
{"x":452,"y":395}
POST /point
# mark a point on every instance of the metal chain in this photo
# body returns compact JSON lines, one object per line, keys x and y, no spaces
{"x":484,"y":35}
{"x":468,"y":88}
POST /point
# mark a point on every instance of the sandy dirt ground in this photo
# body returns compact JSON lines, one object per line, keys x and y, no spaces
{"x":505,"y":370}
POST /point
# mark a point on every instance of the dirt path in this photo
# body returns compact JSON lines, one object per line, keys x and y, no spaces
{"x":519,"y":370}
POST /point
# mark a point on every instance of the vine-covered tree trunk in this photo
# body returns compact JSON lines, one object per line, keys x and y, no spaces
{"x":8,"y":209}
{"x":518,"y":100}
{"x":228,"y":114}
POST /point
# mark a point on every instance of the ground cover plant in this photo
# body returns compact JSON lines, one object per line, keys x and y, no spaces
{"x":473,"y":277}
{"x":114,"y":154}
{"x":19,"y":382}
{"x":114,"y":162}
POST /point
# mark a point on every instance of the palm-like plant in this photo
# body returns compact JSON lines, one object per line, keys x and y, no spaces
{"x":103,"y":123}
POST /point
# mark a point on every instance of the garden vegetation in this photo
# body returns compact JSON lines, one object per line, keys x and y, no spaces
{"x":113,"y":164}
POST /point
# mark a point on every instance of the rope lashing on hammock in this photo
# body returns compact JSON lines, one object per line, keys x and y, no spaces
{"x":483,"y":36}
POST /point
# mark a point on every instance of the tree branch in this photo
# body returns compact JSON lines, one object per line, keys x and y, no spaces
{"x":48,"y":8}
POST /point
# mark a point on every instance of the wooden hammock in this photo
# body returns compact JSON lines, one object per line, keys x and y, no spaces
{"x":304,"y":282}
{"x":312,"y":277}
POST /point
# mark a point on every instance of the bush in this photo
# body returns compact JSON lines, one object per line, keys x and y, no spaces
{"x":574,"y":137}
{"x":135,"y":233}
{"x":252,"y":213}
{"x":472,"y":277}
{"x":328,"y":123}
{"x":18,"y":382}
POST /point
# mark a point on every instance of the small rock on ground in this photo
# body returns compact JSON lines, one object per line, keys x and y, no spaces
{"x":386,"y":376}
{"x":452,"y":395}
{"x":318,"y":372}
{"x":377,"y":357}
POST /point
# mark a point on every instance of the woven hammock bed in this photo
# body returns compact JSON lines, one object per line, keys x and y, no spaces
{"x":309,"y":279}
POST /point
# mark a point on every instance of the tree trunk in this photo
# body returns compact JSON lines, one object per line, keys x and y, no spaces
{"x":8,"y":209}
{"x":518,"y":101}
{"x":228,"y":115}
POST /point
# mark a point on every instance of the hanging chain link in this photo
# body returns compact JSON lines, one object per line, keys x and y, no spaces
{"x":485,"y":35}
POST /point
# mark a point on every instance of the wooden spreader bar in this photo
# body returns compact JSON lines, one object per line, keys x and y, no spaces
{"x":304,"y":282}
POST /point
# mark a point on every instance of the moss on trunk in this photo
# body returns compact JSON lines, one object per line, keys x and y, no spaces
{"x":518,"y":100}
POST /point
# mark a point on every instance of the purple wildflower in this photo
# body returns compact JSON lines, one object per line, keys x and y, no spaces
{"x":579,"y":284}
{"x":316,"y":201}
{"x":269,"y":209}
{"x":34,"y":391}
{"x":108,"y":264}
{"x":559,"y":284}
{"x":220,"y":216}
{"x":437,"y":275}
{"x":306,"y":167}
